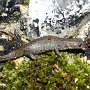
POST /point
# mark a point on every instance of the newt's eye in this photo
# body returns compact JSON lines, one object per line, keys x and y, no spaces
{"x":80,"y":45}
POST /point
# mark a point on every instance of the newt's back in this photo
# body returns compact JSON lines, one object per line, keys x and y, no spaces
{"x":48,"y":43}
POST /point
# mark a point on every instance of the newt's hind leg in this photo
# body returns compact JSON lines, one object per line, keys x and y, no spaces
{"x":57,"y":52}
{"x":32,"y":56}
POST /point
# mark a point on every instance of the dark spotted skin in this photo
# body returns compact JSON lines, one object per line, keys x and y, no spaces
{"x":44,"y":44}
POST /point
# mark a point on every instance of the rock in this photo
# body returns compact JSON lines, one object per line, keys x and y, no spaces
{"x":2,"y":27}
{"x":24,"y":11}
{"x":53,"y":19}
{"x":19,"y":61}
{"x":1,"y":48}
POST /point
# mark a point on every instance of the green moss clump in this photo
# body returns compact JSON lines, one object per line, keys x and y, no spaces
{"x":26,"y":2}
{"x":49,"y":72}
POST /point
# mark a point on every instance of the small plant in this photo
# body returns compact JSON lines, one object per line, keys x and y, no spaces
{"x":49,"y":72}
{"x":16,"y":14}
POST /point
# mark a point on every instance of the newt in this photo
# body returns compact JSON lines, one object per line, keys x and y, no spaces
{"x":44,"y":44}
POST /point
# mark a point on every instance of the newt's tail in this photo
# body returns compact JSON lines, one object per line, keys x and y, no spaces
{"x":12,"y":55}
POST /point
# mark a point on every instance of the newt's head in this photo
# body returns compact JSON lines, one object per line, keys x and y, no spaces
{"x":87,"y":40}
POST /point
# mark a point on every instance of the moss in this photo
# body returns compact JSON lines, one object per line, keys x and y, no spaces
{"x":49,"y":72}
{"x":26,"y":2}
{"x":16,"y":14}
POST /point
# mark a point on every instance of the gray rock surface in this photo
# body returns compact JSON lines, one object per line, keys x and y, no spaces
{"x":54,"y":19}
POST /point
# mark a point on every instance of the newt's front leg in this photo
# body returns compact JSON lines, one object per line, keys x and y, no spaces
{"x":57,"y":52}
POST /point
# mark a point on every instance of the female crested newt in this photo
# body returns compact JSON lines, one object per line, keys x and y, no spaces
{"x":44,"y":44}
